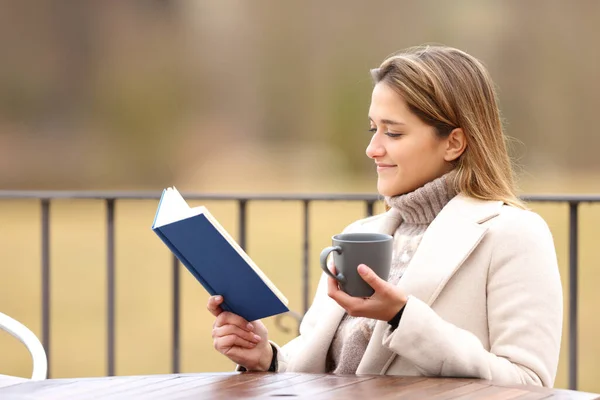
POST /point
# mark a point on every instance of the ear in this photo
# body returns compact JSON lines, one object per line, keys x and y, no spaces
{"x":456,"y":143}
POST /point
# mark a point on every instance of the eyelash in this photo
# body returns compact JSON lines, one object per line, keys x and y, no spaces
{"x":392,"y":135}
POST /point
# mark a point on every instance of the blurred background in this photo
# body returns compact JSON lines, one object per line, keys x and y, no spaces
{"x":260,"y":96}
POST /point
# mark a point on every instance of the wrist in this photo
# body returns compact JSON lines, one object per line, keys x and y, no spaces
{"x":265,"y":360}
{"x":395,"y":307}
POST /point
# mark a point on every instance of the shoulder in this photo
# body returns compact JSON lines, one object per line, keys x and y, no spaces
{"x":367,"y":224}
{"x":509,"y":230}
{"x":514,"y":221}
{"x":520,"y":233}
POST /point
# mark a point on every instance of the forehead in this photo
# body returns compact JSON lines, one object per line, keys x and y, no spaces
{"x":386,"y":103}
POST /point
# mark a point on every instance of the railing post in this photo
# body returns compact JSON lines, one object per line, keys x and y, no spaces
{"x":305,"y":261}
{"x":110,"y":286}
{"x":573,"y":292}
{"x":242,"y":222}
{"x":370,"y":206}
{"x":176,"y":317}
{"x":46,"y":279}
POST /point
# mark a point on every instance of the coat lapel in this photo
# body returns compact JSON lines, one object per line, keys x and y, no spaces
{"x":447,"y":242}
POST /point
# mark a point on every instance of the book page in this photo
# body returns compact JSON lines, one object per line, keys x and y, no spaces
{"x":173,"y":208}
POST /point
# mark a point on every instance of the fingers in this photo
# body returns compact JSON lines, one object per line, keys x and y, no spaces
{"x":225,"y":343}
{"x":332,"y":268}
{"x":354,"y":306}
{"x":332,"y":286}
{"x":227,"y":318}
{"x":346,"y":302}
{"x":232,"y":330}
{"x":214,"y":305}
{"x":237,"y":331}
{"x":341,"y":297}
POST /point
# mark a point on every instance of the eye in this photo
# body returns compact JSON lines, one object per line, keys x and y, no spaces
{"x":389,"y":134}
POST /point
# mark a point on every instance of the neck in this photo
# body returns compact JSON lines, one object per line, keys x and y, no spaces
{"x":422,"y":205}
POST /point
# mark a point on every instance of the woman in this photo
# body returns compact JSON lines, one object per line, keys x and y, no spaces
{"x":474,"y":289}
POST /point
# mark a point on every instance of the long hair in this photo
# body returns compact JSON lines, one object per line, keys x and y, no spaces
{"x":447,"y":89}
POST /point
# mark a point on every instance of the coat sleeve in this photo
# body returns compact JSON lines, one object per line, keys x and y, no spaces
{"x":312,"y":317}
{"x":286,"y":353}
{"x":524,"y":311}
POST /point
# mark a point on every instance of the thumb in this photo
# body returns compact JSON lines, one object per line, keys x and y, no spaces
{"x":214,"y":305}
{"x":370,"y":277}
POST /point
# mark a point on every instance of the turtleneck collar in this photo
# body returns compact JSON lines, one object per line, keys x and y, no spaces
{"x":422,"y":205}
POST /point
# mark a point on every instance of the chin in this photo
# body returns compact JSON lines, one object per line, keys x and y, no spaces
{"x":388,"y":191}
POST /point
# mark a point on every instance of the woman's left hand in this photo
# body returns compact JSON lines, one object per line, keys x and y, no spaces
{"x":383,"y":305}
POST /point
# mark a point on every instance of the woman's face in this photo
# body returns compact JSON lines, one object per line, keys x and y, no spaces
{"x":407,"y":152}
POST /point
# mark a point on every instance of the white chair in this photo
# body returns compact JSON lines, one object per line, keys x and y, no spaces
{"x":28,"y":338}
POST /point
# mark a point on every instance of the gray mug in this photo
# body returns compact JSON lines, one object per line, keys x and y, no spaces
{"x":352,"y":249}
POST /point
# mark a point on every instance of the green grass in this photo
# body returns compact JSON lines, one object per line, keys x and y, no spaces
{"x":143,"y":282}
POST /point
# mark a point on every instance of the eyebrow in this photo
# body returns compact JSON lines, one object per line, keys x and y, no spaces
{"x":388,"y":122}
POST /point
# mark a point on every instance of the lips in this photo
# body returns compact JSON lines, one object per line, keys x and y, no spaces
{"x":384,"y":167}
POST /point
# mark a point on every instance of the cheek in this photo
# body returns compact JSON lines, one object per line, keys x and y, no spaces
{"x":418,"y":161}
{"x":411,"y":154}
{"x":429,"y":151}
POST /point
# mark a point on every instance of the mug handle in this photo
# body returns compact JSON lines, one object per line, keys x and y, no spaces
{"x":324,"y":254}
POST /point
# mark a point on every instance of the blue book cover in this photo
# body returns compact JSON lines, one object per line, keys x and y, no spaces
{"x":211,"y":255}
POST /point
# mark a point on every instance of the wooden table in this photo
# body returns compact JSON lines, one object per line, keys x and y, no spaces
{"x":274,"y":386}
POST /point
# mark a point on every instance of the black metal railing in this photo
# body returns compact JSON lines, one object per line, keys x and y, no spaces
{"x":110,"y":199}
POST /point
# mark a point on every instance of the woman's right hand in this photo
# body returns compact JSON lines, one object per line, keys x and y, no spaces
{"x":245,"y":343}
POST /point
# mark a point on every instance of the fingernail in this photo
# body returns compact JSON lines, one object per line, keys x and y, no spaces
{"x":218,"y":298}
{"x":257,"y":338}
{"x":362,"y":269}
{"x":250,"y":326}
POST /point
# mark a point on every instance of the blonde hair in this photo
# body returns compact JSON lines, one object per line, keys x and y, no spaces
{"x":447,"y":89}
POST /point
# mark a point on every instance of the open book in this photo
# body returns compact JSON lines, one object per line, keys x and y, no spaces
{"x":210,"y":254}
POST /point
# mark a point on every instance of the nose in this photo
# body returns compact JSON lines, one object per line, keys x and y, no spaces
{"x":375,"y":149}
